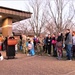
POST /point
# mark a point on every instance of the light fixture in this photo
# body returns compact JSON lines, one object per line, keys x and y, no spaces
{"x":0,"y":16}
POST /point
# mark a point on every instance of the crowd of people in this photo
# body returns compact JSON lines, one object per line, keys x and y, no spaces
{"x":53,"y":45}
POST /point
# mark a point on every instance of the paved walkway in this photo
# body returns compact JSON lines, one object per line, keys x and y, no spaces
{"x":36,"y":65}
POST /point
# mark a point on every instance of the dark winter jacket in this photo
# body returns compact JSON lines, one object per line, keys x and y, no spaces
{"x":60,"y":38}
{"x":48,"y":41}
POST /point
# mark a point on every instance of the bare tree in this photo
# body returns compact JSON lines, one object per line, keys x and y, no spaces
{"x":61,"y":13}
{"x":49,"y":28}
{"x":20,"y":28}
{"x":37,"y":20}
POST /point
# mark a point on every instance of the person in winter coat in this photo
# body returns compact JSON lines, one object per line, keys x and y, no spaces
{"x":31,"y":47}
{"x":59,"y":45}
{"x":48,"y":42}
{"x":68,"y":42}
{"x":10,"y":52}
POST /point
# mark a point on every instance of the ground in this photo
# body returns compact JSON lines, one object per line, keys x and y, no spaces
{"x":36,"y":65}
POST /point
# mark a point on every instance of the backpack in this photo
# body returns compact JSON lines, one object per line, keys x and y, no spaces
{"x":54,"y":41}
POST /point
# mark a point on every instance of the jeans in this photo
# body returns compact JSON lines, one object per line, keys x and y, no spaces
{"x":69,"y":51}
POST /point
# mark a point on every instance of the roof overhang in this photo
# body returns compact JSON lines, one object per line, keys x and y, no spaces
{"x":16,"y":15}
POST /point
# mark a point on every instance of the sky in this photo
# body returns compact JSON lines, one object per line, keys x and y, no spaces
{"x":16,"y":4}
{"x":23,"y":5}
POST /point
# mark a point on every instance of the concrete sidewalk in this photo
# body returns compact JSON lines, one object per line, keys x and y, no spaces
{"x":36,"y":65}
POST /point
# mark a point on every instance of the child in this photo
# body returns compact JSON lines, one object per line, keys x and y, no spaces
{"x":31,"y":48}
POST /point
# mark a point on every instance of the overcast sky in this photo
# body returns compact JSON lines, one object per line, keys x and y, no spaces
{"x":16,"y":4}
